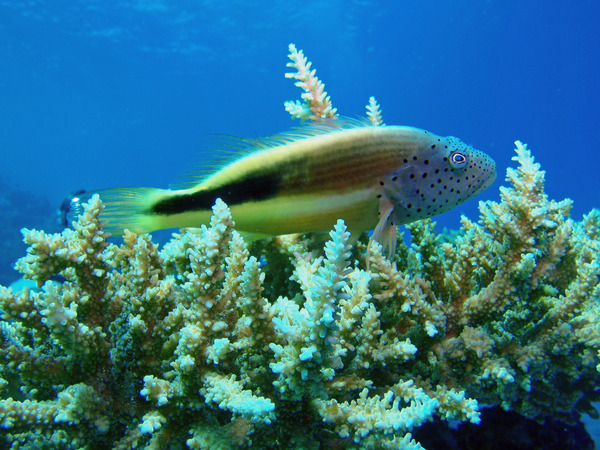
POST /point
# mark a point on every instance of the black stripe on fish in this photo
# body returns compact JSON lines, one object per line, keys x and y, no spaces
{"x":254,"y":188}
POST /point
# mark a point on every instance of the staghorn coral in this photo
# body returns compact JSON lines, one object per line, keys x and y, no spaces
{"x":519,"y":295}
{"x":316,"y":104}
{"x":138,"y":346}
{"x":374,"y":112}
{"x":210,"y":343}
{"x":148,"y":346}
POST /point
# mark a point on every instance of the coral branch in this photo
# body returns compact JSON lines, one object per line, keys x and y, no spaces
{"x":315,"y":104}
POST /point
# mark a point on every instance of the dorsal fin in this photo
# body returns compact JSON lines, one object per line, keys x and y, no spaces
{"x":226,"y":149}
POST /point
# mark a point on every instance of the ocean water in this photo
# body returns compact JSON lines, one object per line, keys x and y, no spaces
{"x":101,"y":93}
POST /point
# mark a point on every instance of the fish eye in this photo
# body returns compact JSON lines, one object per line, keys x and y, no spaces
{"x":458,"y":160}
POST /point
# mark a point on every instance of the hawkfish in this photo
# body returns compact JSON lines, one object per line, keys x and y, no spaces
{"x":372,"y":177}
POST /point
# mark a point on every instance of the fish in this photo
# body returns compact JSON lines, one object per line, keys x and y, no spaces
{"x":304,"y":180}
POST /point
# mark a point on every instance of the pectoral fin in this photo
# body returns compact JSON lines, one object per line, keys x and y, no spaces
{"x":386,"y":230}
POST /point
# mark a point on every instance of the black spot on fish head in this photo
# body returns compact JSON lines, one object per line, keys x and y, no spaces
{"x":441,"y":174}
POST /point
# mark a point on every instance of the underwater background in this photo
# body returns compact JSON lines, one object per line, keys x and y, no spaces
{"x":100,"y":94}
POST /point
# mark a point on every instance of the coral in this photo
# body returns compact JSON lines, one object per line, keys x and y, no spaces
{"x":209,"y":342}
{"x":146,"y":345}
{"x":519,"y":293}
{"x":315,"y":104}
{"x":374,"y":112}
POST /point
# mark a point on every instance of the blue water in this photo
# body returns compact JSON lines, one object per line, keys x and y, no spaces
{"x":104,"y":93}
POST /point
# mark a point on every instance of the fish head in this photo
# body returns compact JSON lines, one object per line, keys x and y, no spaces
{"x":441,"y":173}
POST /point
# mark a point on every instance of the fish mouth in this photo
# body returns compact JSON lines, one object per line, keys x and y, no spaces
{"x":487,"y":178}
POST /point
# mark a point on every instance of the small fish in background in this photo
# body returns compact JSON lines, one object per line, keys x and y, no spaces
{"x":372,"y":177}
{"x":70,"y":208}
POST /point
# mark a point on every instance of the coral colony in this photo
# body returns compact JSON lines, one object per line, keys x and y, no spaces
{"x":211,"y":342}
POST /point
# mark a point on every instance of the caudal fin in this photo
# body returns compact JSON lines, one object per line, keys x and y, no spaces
{"x":128,"y":208}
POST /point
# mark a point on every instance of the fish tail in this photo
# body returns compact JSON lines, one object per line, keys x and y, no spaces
{"x":129,"y":209}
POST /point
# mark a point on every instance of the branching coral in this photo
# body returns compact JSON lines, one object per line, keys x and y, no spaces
{"x":519,"y":294}
{"x":209,"y":343}
{"x":146,"y":346}
{"x":374,"y":112}
{"x":315,"y":104}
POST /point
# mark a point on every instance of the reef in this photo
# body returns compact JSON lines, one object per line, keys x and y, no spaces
{"x":213,"y":342}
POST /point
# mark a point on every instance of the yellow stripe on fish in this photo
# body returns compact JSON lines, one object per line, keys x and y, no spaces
{"x":372,"y":177}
